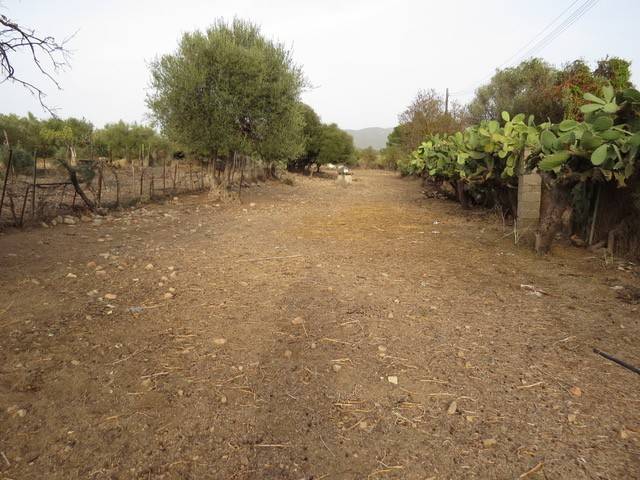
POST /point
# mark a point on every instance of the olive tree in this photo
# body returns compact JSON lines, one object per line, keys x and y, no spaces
{"x":229,"y":90}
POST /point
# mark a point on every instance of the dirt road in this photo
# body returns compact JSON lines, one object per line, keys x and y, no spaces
{"x":312,"y":332}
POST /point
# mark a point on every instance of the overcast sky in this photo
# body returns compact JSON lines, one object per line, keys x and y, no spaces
{"x":365,"y":59}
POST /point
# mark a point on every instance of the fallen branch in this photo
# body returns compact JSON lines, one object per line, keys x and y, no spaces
{"x":535,"y":469}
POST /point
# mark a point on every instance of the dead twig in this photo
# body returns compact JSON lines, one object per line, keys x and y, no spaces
{"x":535,"y":469}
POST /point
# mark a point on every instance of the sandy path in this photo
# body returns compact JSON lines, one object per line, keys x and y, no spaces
{"x":289,"y":323}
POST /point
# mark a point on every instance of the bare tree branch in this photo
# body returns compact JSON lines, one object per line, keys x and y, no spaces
{"x":47,"y":54}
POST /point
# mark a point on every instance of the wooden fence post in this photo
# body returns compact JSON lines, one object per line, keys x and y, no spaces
{"x":35,"y":175}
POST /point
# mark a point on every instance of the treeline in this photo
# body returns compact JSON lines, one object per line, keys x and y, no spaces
{"x":227,"y":97}
{"x":72,"y":138}
{"x":534,"y":87}
{"x":229,"y":92}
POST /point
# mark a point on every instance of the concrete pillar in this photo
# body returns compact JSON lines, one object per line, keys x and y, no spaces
{"x":528,"y":215}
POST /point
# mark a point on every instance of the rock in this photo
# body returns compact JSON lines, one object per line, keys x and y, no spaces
{"x":288,"y":353}
{"x":453,"y":408}
{"x":392,"y":379}
{"x":223,"y":399}
{"x":625,"y":434}
{"x":71,"y":275}
{"x":146,"y":382}
{"x":92,"y":293}
{"x":91,"y":264}
{"x":172,"y":290}
{"x":180,"y":393}
{"x":252,"y":204}
{"x":336,"y":367}
{"x":572,"y":418}
{"x":489,"y":442}
{"x":149,"y":266}
{"x":219,"y":341}
{"x":168,"y":295}
{"x":101,"y":272}
{"x":313,"y":345}
{"x":21,"y":412}
{"x":75,"y":362}
{"x":70,"y":220}
{"x":54,"y":222}
{"x":390,"y":315}
{"x":44,"y":225}
{"x":297,"y":321}
{"x":575,"y":391}
{"x":110,"y":296}
{"x":382,"y":348}
{"x":85,"y":219}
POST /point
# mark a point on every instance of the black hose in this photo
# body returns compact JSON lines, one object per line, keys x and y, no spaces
{"x":618,"y":361}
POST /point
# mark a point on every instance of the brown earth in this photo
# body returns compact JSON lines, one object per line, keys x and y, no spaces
{"x":292,"y":317}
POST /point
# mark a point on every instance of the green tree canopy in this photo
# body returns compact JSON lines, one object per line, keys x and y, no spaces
{"x":336,"y":146}
{"x":229,"y":89}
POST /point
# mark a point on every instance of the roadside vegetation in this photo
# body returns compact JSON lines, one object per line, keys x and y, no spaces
{"x":578,"y":128}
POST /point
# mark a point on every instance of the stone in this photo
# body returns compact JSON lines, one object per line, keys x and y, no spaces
{"x":70,"y":221}
{"x":392,"y":379}
{"x":219,"y":341}
{"x":575,"y":391}
{"x":453,"y":408}
{"x":489,"y":442}
{"x":297,"y":321}
{"x":110,"y":296}
{"x":71,"y":275}
{"x":336,"y":367}
{"x":149,"y":266}
{"x":288,"y":353}
{"x":168,"y":295}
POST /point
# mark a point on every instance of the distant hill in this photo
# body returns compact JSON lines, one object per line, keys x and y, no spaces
{"x":375,"y":137}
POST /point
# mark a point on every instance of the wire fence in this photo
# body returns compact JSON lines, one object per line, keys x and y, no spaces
{"x":48,"y":191}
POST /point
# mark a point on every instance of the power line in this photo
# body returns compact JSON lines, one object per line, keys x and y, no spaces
{"x":573,"y":17}
{"x":561,"y":28}
{"x":506,"y":62}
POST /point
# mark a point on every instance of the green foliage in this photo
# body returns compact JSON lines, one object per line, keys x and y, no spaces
{"x":600,"y":148}
{"x":21,"y":159}
{"x":124,"y":140}
{"x":229,"y":89}
{"x":368,"y":158}
{"x":537,"y":88}
{"x":527,"y":88}
{"x":336,"y":146}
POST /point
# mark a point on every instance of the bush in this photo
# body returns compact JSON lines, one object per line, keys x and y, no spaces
{"x":22,"y":160}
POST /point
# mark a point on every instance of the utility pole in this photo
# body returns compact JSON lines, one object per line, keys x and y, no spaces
{"x":446,"y":102}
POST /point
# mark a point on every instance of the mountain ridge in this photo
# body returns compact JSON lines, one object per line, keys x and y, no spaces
{"x":375,"y":137}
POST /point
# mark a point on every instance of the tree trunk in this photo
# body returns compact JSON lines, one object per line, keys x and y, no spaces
{"x":556,"y":202}
{"x":73,"y":177}
{"x":462,"y":195}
